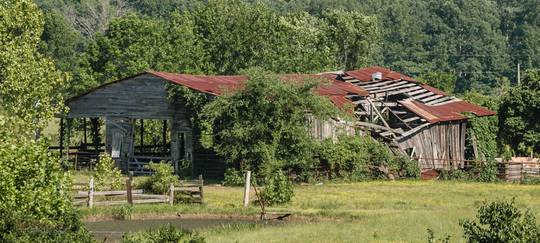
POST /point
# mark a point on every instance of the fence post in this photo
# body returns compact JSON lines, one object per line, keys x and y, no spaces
{"x":246,"y":188}
{"x":129,"y":182}
{"x":91,"y":193}
{"x":171,"y":194}
{"x":201,"y":183}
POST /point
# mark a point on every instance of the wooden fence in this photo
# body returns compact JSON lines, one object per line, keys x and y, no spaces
{"x":193,"y":188}
{"x":518,"y":171}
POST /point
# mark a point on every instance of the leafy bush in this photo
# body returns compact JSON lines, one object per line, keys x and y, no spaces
{"x":361,"y":157}
{"x":35,"y":200}
{"x":124,"y":212}
{"x":162,"y":178}
{"x":489,"y":172}
{"x":233,"y":177}
{"x":501,"y":221}
{"x":163,"y":234}
{"x":278,"y":189}
{"x":454,"y":175}
{"x":106,"y":174}
{"x":409,"y":167}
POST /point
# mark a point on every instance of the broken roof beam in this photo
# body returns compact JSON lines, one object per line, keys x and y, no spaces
{"x":441,"y":100}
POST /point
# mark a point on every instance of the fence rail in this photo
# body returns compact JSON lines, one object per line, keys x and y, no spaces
{"x":88,"y":198}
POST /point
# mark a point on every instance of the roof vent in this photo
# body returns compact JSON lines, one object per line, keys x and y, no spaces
{"x":376,"y":76}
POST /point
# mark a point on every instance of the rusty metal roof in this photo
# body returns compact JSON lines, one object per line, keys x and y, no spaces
{"x":335,"y":90}
{"x":364,"y":74}
{"x":452,"y":111}
{"x":214,"y":85}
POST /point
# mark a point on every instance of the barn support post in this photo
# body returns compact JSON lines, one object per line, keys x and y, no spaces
{"x":95,"y":137}
{"x":61,"y":145}
{"x":85,"y":139}
{"x":68,"y":137}
{"x":142,"y":135}
{"x":164,"y":137}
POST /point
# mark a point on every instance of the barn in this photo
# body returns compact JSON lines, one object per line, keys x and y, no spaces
{"x":124,"y":106}
{"x":412,"y":117}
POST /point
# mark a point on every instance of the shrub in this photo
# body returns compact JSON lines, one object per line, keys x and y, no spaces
{"x":163,"y":234}
{"x":454,"y":175}
{"x":278,"y":189}
{"x":35,"y":200}
{"x":162,"y":178}
{"x":501,"y":221}
{"x":106,"y":175}
{"x":233,"y":177}
{"x":409,"y":168}
{"x":124,"y":212}
{"x":362,"y":157}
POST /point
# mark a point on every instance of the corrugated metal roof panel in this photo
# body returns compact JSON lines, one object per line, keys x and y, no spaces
{"x":214,"y":85}
{"x":447,"y":112}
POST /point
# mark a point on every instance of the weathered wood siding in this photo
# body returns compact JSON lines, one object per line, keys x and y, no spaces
{"x":329,"y":129}
{"x":143,"y":96}
{"x":438,"y":146}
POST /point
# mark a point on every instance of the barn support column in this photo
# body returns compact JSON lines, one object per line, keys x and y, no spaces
{"x":61,"y":144}
{"x":119,"y":140}
{"x":181,"y":143}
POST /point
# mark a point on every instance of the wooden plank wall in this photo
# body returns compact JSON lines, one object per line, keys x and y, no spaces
{"x":144,"y":96}
{"x":438,"y":146}
{"x":329,"y":129}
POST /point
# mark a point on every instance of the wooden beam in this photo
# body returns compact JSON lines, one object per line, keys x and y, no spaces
{"x":142,"y":135}
{"x":376,"y":127}
{"x":61,"y":137}
{"x":382,"y":87}
{"x":385,"y":89}
{"x":440,"y":100}
{"x":417,"y":92}
{"x":376,"y":83}
{"x":379,"y":114}
{"x":423,"y":95}
{"x":164,"y":136}
{"x":418,"y":128}
{"x":431,"y":98}
{"x":84,"y":131}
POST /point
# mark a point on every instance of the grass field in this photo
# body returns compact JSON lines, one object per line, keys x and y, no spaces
{"x":375,"y":211}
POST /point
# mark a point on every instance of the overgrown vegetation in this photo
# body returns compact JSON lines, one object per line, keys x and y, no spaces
{"x":34,"y":190}
{"x":233,"y":177}
{"x":163,"y":234}
{"x":361,"y":157}
{"x":501,"y":221}
{"x":123,"y":212}
{"x":162,"y":178}
{"x":263,"y":127}
{"x":106,"y":175}
{"x":278,"y":189}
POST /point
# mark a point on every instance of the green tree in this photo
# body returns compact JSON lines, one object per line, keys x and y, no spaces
{"x":518,"y":115}
{"x":263,"y":127}
{"x":29,"y":84}
{"x":34,"y":191}
{"x":133,"y":44}
{"x":236,"y":35}
{"x":354,"y":36}
{"x":501,"y":221}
